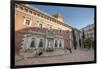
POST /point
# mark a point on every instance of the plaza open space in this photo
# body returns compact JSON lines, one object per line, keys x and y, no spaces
{"x":80,"y":55}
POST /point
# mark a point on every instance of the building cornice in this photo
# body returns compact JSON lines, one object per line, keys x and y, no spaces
{"x":39,"y":12}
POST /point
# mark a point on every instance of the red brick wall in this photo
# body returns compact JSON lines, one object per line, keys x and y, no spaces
{"x":18,"y":40}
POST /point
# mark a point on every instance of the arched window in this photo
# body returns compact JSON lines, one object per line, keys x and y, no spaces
{"x":60,"y":45}
{"x":41,"y":43}
{"x":55,"y":43}
{"x":32,"y":43}
{"x":40,"y":26}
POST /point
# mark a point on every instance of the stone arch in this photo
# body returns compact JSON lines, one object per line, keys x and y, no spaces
{"x":56,"y":44}
{"x":60,"y":44}
{"x":41,"y":43}
{"x":32,"y":45}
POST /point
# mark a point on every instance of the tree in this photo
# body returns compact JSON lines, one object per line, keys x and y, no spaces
{"x":83,"y":34}
{"x":80,"y":42}
{"x":88,"y":43}
{"x":74,"y":39}
{"x":93,"y":43}
{"x":83,"y":37}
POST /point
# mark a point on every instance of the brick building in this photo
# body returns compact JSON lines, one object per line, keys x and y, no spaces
{"x":37,"y":29}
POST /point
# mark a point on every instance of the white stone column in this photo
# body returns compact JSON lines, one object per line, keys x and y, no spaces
{"x":46,"y":43}
{"x":29,"y":40}
{"x":62,"y":43}
{"x":58,"y":43}
{"x":54,"y":44}
{"x":36,"y":42}
{"x":26,"y":42}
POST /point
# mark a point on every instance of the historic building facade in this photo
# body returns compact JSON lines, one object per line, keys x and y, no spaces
{"x":88,"y":31}
{"x":37,"y":29}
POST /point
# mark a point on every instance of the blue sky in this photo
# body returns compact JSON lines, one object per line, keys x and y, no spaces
{"x":74,"y":16}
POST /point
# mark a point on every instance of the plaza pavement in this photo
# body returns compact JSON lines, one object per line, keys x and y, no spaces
{"x":76,"y":56}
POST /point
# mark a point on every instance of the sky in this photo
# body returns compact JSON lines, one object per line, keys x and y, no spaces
{"x":77,"y":17}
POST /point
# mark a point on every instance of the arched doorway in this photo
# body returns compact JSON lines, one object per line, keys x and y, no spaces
{"x":41,"y":43}
{"x":32,"y":43}
{"x":50,"y":43}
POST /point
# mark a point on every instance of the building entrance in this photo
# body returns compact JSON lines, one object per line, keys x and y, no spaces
{"x":50,"y":43}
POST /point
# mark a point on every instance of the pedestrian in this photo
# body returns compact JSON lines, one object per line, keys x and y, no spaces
{"x":70,"y":50}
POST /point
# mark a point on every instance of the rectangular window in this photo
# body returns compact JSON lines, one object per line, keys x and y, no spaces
{"x":27,"y":21}
{"x":49,"y":27}
{"x":40,"y":25}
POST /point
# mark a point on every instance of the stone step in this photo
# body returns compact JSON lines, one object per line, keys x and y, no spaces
{"x":44,"y":53}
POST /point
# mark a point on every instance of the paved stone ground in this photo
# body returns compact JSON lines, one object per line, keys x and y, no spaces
{"x":76,"y":56}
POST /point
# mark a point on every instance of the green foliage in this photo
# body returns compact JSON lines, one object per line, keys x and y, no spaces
{"x":83,"y":34}
{"x":88,"y":43}
{"x":93,"y":43}
{"x":74,"y":39}
{"x":80,"y":42}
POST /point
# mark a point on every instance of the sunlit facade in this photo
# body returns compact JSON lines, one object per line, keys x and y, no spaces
{"x":39,"y":30}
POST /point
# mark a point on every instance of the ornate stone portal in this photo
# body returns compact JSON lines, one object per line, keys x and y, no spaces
{"x":37,"y":40}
